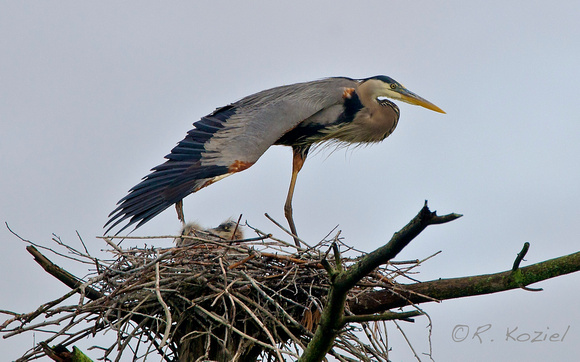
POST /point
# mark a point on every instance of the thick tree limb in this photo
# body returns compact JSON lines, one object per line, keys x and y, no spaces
{"x":441,"y":289}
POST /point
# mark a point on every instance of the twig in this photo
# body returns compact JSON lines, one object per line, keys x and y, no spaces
{"x":386,"y":316}
{"x":289,"y":233}
{"x":259,"y":322}
{"x":164,"y":305}
{"x":236,"y":228}
{"x":407,"y":340}
{"x":521,"y":256}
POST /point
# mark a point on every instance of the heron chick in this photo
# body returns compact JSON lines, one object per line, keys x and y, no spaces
{"x":232,"y":138}
{"x":229,"y":230}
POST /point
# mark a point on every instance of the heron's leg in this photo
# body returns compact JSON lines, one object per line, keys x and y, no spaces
{"x":179,"y":209}
{"x":297,"y":161}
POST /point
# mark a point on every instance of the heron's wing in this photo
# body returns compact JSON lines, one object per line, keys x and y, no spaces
{"x":229,"y":140}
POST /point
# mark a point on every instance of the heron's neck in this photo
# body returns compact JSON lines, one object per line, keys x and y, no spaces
{"x":366,"y":94}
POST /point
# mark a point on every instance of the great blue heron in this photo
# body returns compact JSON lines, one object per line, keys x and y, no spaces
{"x":228,"y":230}
{"x":233,"y":138}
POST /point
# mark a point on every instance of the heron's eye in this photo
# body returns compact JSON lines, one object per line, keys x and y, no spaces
{"x":393,"y":86}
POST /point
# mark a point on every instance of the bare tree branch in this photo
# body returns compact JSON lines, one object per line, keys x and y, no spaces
{"x":442,"y":289}
{"x":342,"y":281}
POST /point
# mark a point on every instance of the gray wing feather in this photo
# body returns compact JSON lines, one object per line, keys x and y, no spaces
{"x":261,"y":119}
{"x":238,"y":133}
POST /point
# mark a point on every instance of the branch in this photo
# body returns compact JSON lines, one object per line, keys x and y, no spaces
{"x":442,"y":289}
{"x":399,"y":241}
{"x":70,"y":280}
{"x":67,"y":278}
{"x":386,"y":316}
{"x":521,"y":256}
{"x":332,"y":319}
{"x":164,"y":305}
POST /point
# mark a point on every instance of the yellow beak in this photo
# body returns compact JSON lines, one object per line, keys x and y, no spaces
{"x":409,"y":97}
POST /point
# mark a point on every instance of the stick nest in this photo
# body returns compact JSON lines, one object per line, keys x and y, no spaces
{"x":209,"y":299}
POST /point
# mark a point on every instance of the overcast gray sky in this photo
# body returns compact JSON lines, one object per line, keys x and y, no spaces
{"x":94,"y":95}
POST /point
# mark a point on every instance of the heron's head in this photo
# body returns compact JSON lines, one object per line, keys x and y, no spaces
{"x":381,"y":86}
